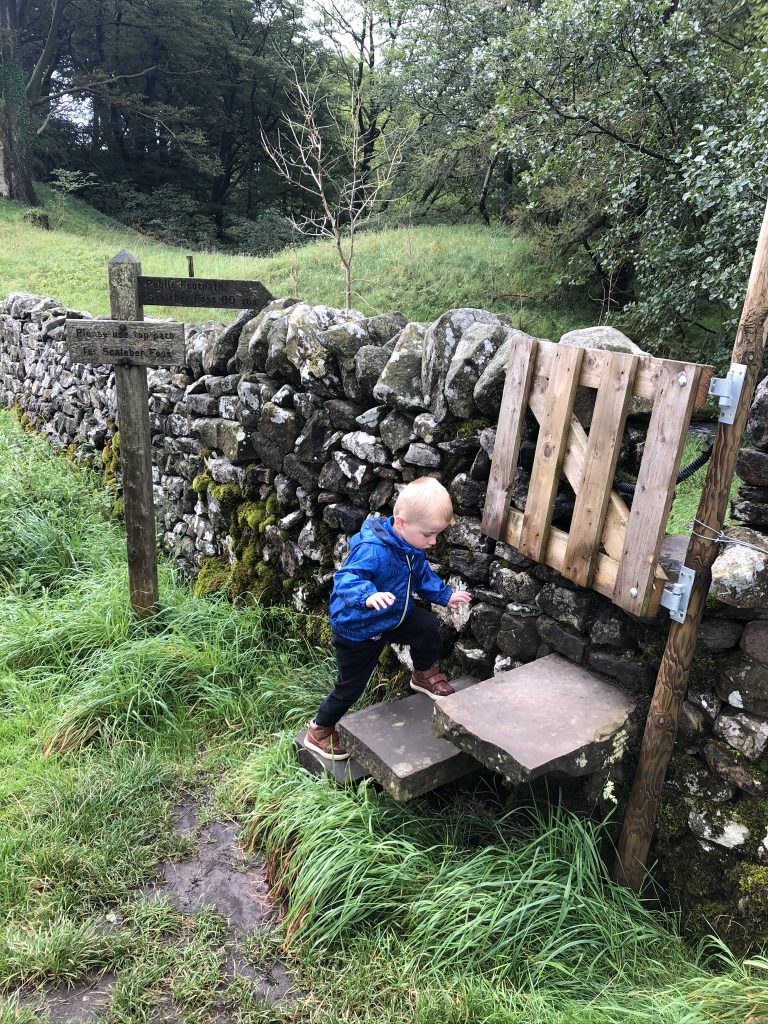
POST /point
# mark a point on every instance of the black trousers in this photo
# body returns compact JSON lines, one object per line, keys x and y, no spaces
{"x":356,"y":660}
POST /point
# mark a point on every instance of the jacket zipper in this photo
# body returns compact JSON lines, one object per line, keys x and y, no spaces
{"x":407,"y":592}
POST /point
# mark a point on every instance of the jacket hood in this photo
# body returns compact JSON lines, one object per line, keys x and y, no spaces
{"x":380,"y":531}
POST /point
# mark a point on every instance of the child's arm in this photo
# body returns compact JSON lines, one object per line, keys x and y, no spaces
{"x":431,"y":587}
{"x":355,"y":583}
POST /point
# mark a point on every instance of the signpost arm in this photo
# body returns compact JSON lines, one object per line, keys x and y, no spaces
{"x":135,"y":444}
{"x":664,"y":712}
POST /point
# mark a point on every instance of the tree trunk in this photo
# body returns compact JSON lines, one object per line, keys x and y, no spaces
{"x":16,"y":124}
{"x":664,"y":712}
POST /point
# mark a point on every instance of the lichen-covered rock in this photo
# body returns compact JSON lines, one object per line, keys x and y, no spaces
{"x":370,"y":361}
{"x":344,"y":340}
{"x":490,"y":385}
{"x":603,"y":338}
{"x":752,"y":467}
{"x":727,"y":763}
{"x":440,"y":343}
{"x":467,"y":494}
{"x":427,"y":429}
{"x":516,"y":586}
{"x":280,"y":426}
{"x":306,"y":351}
{"x":396,"y":431}
{"x":746,"y":733}
{"x":757,"y":423}
{"x":365,"y":447}
{"x":317,"y":439}
{"x":719,"y":634}
{"x":570,"y":645}
{"x":422,"y":455}
{"x":252,"y":345}
{"x":471,"y":566}
{"x":466,"y":532}
{"x":383,"y":328}
{"x":739,"y":574}
{"x":199,"y":339}
{"x":718,"y":825}
{"x":371,"y":419}
{"x":568,"y":606}
{"x":484,"y":624}
{"x":399,"y":385}
{"x":345,"y":518}
{"x":623,"y":668}
{"x":478,"y":345}
{"x":233,"y":441}
{"x":743,"y":683}
{"x":518,"y":636}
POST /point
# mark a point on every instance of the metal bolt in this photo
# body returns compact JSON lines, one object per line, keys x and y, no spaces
{"x":682,"y":380}
{"x":633,"y":592}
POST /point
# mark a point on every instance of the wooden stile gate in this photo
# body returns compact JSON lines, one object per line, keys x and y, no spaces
{"x":613,"y":549}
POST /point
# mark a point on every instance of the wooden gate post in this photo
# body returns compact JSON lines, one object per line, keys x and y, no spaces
{"x":135,"y":444}
{"x":661,"y":725}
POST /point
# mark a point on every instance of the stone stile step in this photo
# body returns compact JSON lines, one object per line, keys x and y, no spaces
{"x":342,"y":772}
{"x":547,"y":717}
{"x":394,"y":741}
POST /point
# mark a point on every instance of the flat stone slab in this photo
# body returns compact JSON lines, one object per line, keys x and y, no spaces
{"x":342,"y":772}
{"x":395,"y":742}
{"x":547,"y":717}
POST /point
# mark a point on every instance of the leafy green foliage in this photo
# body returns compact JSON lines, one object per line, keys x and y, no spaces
{"x":641,"y":125}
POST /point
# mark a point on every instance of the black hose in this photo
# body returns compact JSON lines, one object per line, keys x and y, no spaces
{"x":687,"y":471}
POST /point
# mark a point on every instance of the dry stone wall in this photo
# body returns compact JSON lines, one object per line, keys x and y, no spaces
{"x":284,"y":430}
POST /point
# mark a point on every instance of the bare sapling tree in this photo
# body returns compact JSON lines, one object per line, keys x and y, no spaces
{"x":322,"y":149}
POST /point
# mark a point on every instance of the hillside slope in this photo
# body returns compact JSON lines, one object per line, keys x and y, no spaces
{"x":422,"y":271}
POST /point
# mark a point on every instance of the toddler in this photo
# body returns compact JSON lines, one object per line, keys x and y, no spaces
{"x":372,"y":605}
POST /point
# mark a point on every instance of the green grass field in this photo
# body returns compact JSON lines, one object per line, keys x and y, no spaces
{"x":422,"y":271}
{"x":449,"y":910}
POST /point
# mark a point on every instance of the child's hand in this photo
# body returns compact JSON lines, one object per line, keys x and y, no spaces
{"x":380,"y":600}
{"x":459,"y":597}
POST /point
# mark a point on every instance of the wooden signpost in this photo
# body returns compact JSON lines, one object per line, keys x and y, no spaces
{"x":131,"y":345}
{"x":664,"y":713}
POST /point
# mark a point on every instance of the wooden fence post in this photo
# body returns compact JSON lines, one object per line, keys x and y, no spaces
{"x":663,"y":715}
{"x":135,"y":444}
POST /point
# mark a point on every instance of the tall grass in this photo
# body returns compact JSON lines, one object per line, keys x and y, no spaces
{"x":422,"y":271}
{"x":65,"y":613}
{"x":504,"y":918}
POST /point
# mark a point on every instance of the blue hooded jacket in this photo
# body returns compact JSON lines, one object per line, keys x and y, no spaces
{"x":378,"y":561}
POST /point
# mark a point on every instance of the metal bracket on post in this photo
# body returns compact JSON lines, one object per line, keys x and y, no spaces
{"x":676,"y":596}
{"x":728,"y":390}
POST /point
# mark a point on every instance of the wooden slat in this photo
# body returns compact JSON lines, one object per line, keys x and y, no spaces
{"x":654,"y":490}
{"x":604,"y":579}
{"x":617,"y":513}
{"x":594,"y":489}
{"x":647,"y":375}
{"x":550,"y":450}
{"x":507,"y":445}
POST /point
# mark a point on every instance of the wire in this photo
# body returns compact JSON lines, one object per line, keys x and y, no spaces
{"x":687,"y":471}
{"x":722,"y":538}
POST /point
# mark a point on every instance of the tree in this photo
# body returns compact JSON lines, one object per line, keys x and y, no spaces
{"x":323,"y":151}
{"x":16,"y":125}
{"x":640,"y":125}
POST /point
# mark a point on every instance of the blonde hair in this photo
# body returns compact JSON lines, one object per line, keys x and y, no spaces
{"x":422,"y":498}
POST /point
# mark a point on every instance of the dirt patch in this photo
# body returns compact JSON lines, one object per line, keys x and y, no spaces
{"x":219,"y":873}
{"x":85,"y":1002}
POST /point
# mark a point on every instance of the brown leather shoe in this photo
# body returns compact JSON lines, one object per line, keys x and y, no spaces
{"x":432,"y":682}
{"x":324,"y":740}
